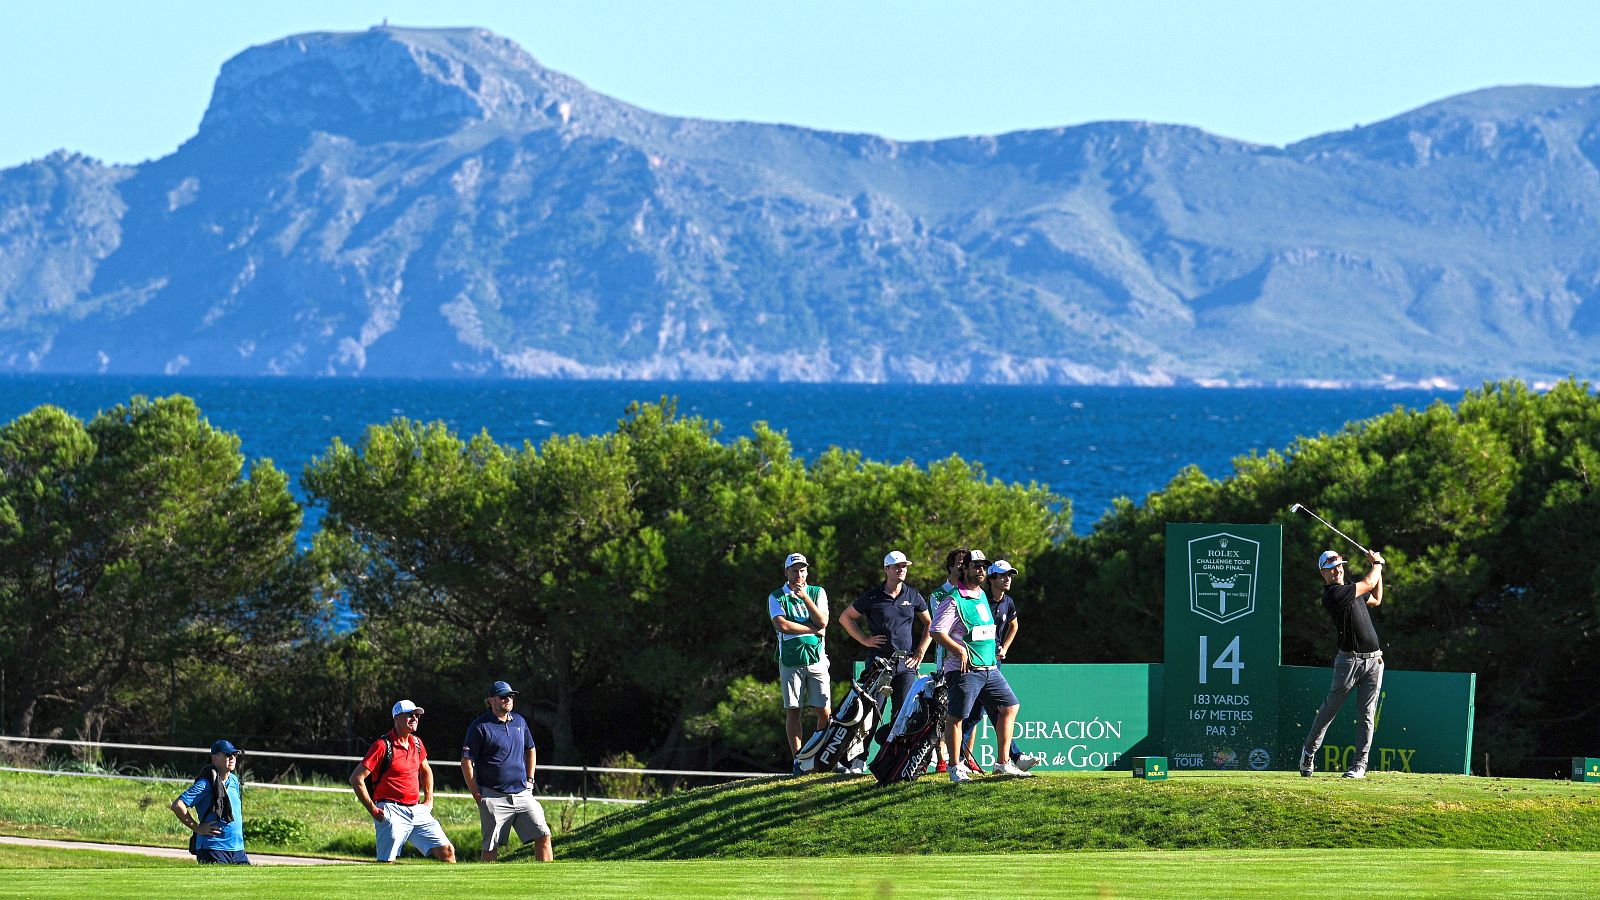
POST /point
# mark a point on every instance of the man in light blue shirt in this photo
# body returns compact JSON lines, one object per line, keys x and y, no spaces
{"x":217,"y":821}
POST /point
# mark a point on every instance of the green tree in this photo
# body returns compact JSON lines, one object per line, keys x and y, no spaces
{"x":126,"y":544}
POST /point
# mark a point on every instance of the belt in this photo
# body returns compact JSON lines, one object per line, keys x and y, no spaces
{"x":1376,"y":654}
{"x":397,"y":803}
{"x":980,"y":668}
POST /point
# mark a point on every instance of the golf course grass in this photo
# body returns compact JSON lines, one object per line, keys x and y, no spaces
{"x":1056,"y":835}
{"x":835,"y":815}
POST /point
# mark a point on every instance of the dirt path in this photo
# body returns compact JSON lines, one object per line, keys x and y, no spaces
{"x":260,"y":859}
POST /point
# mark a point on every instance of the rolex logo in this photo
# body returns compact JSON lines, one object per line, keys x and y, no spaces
{"x":1223,"y":543}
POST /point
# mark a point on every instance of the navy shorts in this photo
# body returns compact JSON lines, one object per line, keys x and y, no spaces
{"x":221,"y":857}
{"x":989,"y":686}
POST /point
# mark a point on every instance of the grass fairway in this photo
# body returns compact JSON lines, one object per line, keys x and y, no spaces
{"x":1177,"y":874}
{"x":834,"y":815}
{"x":46,"y":858}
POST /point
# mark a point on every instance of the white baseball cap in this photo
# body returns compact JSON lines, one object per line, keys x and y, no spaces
{"x":794,"y":559}
{"x":1001,"y":567}
{"x":1329,"y":559}
{"x":404,"y":706}
{"x":976,"y":556}
{"x":895,"y":558}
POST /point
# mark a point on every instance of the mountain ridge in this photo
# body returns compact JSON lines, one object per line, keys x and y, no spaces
{"x":435,"y":202}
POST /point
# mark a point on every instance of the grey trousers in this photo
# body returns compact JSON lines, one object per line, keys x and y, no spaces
{"x":1364,"y":674}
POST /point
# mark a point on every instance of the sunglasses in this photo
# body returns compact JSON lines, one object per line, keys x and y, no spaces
{"x":977,"y":565}
{"x":411,"y":715}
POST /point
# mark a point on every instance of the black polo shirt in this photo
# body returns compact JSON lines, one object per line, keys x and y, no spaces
{"x":1352,"y":617}
{"x":891,"y":616}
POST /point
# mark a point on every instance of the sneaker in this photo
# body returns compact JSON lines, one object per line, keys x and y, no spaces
{"x":797,"y":770}
{"x":958,"y":775}
{"x":942,"y":767}
{"x":1356,"y":773}
{"x":1011,"y":768}
{"x":1308,"y":762}
{"x":1024,"y":762}
{"x":972,"y":765}
{"x":859,"y":767}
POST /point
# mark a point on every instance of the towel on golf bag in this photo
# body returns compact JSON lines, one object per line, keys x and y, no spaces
{"x":909,"y":743}
{"x":849,"y":731}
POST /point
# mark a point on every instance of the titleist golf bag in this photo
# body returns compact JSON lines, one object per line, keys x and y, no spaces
{"x":909,"y":743}
{"x":849,"y":732}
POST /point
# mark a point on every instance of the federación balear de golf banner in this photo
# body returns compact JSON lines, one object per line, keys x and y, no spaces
{"x":1224,"y":614}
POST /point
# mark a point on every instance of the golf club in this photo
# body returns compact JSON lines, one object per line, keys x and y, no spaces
{"x":1298,"y":508}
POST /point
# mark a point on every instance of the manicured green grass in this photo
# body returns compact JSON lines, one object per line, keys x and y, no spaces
{"x":837,"y":816}
{"x":48,"y":858}
{"x":136,"y":812}
{"x":1153,"y":874}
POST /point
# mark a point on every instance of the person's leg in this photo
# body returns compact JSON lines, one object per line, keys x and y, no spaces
{"x":1338,"y":689}
{"x":998,"y":697}
{"x":1369,"y":685}
{"x":494,"y":824}
{"x":791,"y":682}
{"x":963,"y":693}
{"x":428,"y":836}
{"x":532,"y":827}
{"x":391,"y":831}
{"x":818,"y":694}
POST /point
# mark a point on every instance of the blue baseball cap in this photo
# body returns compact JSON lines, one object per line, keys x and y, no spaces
{"x":501,"y":689}
{"x":224,"y":746}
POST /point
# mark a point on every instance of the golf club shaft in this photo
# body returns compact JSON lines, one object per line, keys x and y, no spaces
{"x":1307,"y":510}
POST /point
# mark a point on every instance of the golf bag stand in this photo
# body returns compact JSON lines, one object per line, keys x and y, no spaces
{"x":849,"y":731}
{"x":909,"y":743}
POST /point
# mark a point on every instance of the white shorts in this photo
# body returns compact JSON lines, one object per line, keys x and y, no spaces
{"x":402,"y":823}
{"x":499,"y":813}
{"x":805,"y":685}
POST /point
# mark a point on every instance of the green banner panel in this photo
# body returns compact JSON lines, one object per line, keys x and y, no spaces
{"x":1223,"y":637}
{"x":1078,"y":717}
{"x":1424,"y":721}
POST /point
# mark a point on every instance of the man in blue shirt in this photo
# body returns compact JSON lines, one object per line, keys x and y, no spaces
{"x":890,"y":610}
{"x":217,"y":822}
{"x":497,"y":761}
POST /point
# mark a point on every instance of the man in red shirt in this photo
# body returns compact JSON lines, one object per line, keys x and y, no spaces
{"x":400,"y":795}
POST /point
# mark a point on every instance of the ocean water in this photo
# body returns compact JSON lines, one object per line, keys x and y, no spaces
{"x":1089,"y":444}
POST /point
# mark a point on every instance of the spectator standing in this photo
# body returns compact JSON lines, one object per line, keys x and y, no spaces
{"x":799,"y":613}
{"x":497,"y":762}
{"x":217,"y":822}
{"x":400,"y":795}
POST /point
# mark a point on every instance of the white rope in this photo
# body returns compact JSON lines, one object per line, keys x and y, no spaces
{"x":286,"y":787}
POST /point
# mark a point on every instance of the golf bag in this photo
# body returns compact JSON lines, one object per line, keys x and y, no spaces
{"x":849,"y":731}
{"x":909,"y":743}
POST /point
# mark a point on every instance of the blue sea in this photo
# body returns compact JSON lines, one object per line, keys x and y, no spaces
{"x":1089,"y":444}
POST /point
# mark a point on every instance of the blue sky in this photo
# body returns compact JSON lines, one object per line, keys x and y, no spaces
{"x":128,"y":81}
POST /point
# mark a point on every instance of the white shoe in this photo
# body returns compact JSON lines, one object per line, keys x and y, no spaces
{"x":859,"y":767}
{"x":1011,"y":768}
{"x":959,"y":775}
{"x":1308,"y":763}
{"x":1356,"y":773}
{"x":1026,"y":762}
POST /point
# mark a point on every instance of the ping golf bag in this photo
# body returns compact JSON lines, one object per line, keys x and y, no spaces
{"x":909,"y":743}
{"x":849,"y":732}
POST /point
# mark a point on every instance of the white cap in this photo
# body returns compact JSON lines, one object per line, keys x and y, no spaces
{"x":1329,"y":559}
{"x":1001,"y":567}
{"x":404,"y":706}
{"x":895,"y":558}
{"x":976,"y":556}
{"x":795,"y":559}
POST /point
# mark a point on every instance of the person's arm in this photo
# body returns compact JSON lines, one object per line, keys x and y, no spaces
{"x":818,"y":614}
{"x":181,"y":810}
{"x":790,"y":626}
{"x":925,"y":643}
{"x":531,"y":761}
{"x":425,"y":778}
{"x":1374,"y":578}
{"x":941,"y":632}
{"x":358,"y":780}
{"x":953,"y":646}
{"x":469,"y":776}
{"x":850,"y":620}
{"x":1375,"y":598}
{"x":1011,"y":635}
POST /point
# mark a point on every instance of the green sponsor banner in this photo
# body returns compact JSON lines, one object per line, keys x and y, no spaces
{"x":1078,"y":717}
{"x":1424,"y":721}
{"x":1223,"y":636}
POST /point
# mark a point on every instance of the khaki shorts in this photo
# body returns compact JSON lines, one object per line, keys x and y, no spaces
{"x":499,"y":813}
{"x":805,"y":685}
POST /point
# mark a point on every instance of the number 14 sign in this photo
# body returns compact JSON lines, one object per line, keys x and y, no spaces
{"x":1223,"y":636}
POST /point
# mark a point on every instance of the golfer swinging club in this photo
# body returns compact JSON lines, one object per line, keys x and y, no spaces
{"x":1359,"y":662}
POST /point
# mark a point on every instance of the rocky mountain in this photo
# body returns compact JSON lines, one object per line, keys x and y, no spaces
{"x":434,"y":202}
